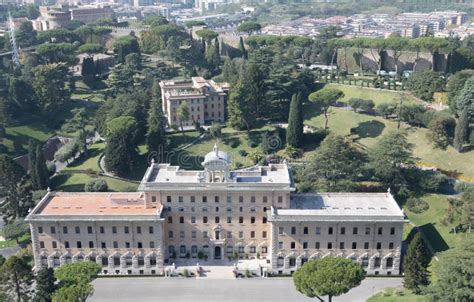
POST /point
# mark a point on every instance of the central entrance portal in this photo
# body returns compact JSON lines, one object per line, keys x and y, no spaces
{"x":217,"y":252}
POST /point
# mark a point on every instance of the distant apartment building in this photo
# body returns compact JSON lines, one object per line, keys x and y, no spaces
{"x":206,"y":100}
{"x":210,"y":5}
{"x":216,"y":213}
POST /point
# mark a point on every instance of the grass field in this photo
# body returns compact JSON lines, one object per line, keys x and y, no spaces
{"x":90,"y":163}
{"x":12,"y":243}
{"x":396,"y":295}
{"x":376,"y":95}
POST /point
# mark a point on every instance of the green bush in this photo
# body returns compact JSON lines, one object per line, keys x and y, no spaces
{"x":417,"y":205}
{"x":243,"y":153}
{"x":234,"y":143}
{"x":96,"y":185}
{"x":462,"y":186}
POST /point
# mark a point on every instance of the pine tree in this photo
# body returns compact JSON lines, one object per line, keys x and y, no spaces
{"x":461,"y":133}
{"x":41,"y":169}
{"x":229,"y":71}
{"x":242,"y":48}
{"x":294,"y":132}
{"x":44,"y":285}
{"x":32,"y":164}
{"x":415,"y":265}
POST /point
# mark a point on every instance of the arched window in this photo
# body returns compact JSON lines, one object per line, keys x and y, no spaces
{"x":389,"y":262}
{"x":377,"y":262}
{"x":292,"y":261}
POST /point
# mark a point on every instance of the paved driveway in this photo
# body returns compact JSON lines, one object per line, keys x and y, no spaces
{"x":241,"y":290}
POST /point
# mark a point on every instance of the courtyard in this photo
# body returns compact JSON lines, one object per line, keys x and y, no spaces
{"x":216,"y":290}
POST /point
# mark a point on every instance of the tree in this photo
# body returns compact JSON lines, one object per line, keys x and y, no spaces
{"x":361,"y":104}
{"x":49,"y":83}
{"x":45,"y":285}
{"x":182,"y":113}
{"x":78,"y":123}
{"x":242,"y":49}
{"x":424,"y":84}
{"x":154,"y":21}
{"x":215,"y":130}
{"x":461,"y":132}
{"x":249,"y":27}
{"x":455,"y":84}
{"x":75,"y":281}
{"x":334,"y":161}
{"x":25,"y":35}
{"x":57,"y":52}
{"x":294,"y":132}
{"x":96,"y":185}
{"x":207,"y":34}
{"x":91,"y":48}
{"x":454,"y":272}
{"x":66,"y":152}
{"x":442,"y":130}
{"x":415,"y":265}
{"x":390,"y":155}
{"x":329,"y":276}
{"x":121,"y":148}
{"x":156,"y":133}
{"x":40,"y":169}
{"x":15,"y":229}
{"x":241,"y":115}
{"x":325,"y":98}
{"x":465,"y":99}
{"x":16,"y":277}
{"x":125,"y":45}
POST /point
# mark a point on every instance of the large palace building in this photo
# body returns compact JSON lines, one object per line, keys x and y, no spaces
{"x":216,"y":213}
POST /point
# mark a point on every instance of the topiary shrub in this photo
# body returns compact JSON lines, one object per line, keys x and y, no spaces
{"x":96,"y":185}
{"x":243,"y":153}
{"x":417,"y":205}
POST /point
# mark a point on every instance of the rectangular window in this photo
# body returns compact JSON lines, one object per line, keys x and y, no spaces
{"x":241,"y":199}
{"x":305,"y":245}
{"x":53,"y":230}
{"x":115,"y":245}
{"x":217,"y":219}
{"x":379,"y":245}
{"x":264,"y":219}
{"x":392,"y":231}
{"x":126,"y":230}
{"x":216,"y":198}
{"x":229,"y":235}
{"x":91,"y":244}
{"x":193,"y":234}
{"x":241,"y":219}
{"x":390,"y":245}
{"x":66,"y":244}
{"x":354,"y":231}
{"x":42,"y":244}
{"x":354,"y":245}
{"x":229,"y":198}
{"x":280,"y":245}
{"x":168,"y":198}
{"x":329,"y":245}
{"x":114,"y":230}
{"x":252,"y":234}
{"x":241,"y":234}
{"x":343,"y":231}
{"x":181,"y":219}
{"x":229,"y":219}
{"x":193,"y":199}
{"x":293,"y":245}
{"x":150,"y":230}
{"x":280,"y":199}
{"x":89,"y":230}
{"x":252,"y":220}
{"x":204,"y":199}
{"x":102,"y":230}
{"x":127,"y":244}
{"x":78,"y":230}
{"x":204,"y":219}
{"x":241,"y":249}
{"x":293,"y":230}
{"x":280,"y":230}
{"x":317,"y":245}
{"x":341,"y":245}
{"x":330,"y":231}
{"x":253,"y":249}
{"x":65,"y":230}
{"x":318,"y":231}
{"x":79,"y":245}
{"x":367,"y":231}
{"x":265,"y":199}
{"x":252,"y":199}
{"x":305,"y":230}
{"x":139,"y":230}
{"x":54,"y":244}
{"x":366,"y":245}
{"x":40,"y":230}
{"x":152,"y":244}
{"x":180,"y":198}
{"x":153,"y":199}
{"x":103,"y":245}
{"x":193,"y":219}
{"x":181,"y":234}
{"x":170,"y":234}
{"x":264,"y":234}
{"x":380,"y":231}
{"x":170,"y":219}
{"x":204,"y":234}
{"x":264,"y":249}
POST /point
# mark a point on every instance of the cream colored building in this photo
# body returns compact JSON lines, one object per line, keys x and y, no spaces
{"x":206,"y":100}
{"x":215,"y":214}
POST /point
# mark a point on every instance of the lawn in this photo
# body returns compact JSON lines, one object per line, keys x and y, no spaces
{"x":90,"y":163}
{"x":11,"y":243}
{"x":396,"y":295}
{"x":440,"y":237}
{"x":370,"y":128}
{"x":376,"y":95}
{"x":17,"y":138}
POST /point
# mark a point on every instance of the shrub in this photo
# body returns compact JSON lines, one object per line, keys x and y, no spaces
{"x":361,"y":104}
{"x":215,"y":130}
{"x":252,"y":143}
{"x":243,"y":153}
{"x":186,"y":272}
{"x":247,"y":274}
{"x":385,"y":109}
{"x":200,"y":255}
{"x":238,"y":165}
{"x":96,"y":185}
{"x":234,"y":143}
{"x":462,"y":186}
{"x":417,"y":205}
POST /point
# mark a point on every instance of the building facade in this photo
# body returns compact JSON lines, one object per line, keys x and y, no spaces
{"x":216,"y":214}
{"x":206,"y":100}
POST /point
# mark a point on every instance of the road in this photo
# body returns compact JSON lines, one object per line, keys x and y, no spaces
{"x":145,"y":289}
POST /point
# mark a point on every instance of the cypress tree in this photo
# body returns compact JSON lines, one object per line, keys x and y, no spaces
{"x":45,"y":285}
{"x":32,"y":164}
{"x":242,"y":48}
{"x":461,"y":133}
{"x":415,"y":265}
{"x":156,"y":134}
{"x":294,"y":132}
{"x":41,"y":169}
